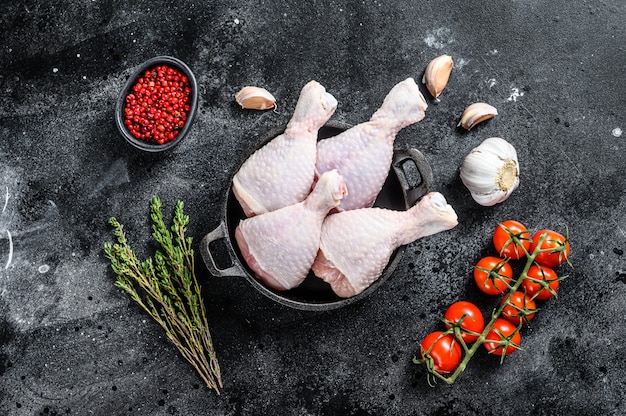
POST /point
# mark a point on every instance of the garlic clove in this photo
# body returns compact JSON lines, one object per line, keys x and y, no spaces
{"x":437,"y":74}
{"x":255,"y":98}
{"x":476,"y":113}
{"x":491,"y":171}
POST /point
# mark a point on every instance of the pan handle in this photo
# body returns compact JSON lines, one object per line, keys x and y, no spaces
{"x":413,"y":192}
{"x":219,"y":233}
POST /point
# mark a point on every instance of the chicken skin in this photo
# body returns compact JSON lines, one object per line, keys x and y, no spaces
{"x":280,"y":246}
{"x":356,"y":245}
{"x":282,"y":172}
{"x":363,"y":153}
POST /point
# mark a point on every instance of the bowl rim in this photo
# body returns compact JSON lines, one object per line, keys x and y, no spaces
{"x":130,"y":82}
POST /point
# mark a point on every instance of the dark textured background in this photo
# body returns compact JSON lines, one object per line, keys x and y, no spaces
{"x":71,"y":343}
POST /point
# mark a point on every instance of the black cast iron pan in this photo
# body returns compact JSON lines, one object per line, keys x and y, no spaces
{"x":410,"y":178}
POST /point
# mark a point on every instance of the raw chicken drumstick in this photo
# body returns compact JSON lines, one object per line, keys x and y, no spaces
{"x":280,"y":246}
{"x":281,"y":173}
{"x":356,"y":245}
{"x":363,"y":153}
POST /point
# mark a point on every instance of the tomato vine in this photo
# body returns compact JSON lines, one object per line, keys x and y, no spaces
{"x":501,"y":334}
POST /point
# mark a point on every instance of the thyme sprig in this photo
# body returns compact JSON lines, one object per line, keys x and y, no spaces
{"x":166,"y":287}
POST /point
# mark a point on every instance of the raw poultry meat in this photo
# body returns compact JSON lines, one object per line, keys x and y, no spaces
{"x":363,"y":153}
{"x":356,"y":245}
{"x":280,"y":246}
{"x":281,"y":173}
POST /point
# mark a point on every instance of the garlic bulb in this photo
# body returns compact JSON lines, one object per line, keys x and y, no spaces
{"x":491,"y":171}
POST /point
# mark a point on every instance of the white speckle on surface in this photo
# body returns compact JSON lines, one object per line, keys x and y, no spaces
{"x":6,"y":199}
{"x":439,"y":38}
{"x":515,"y":94}
{"x":236,"y":21}
{"x":491,"y":82}
{"x":78,"y":55}
{"x":617,"y":132}
{"x":493,"y":52}
{"x":10,"y":258}
{"x":44,"y":268}
{"x":55,"y":70}
{"x":460,"y":63}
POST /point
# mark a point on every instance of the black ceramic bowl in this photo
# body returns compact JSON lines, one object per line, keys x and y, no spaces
{"x":132,"y":80}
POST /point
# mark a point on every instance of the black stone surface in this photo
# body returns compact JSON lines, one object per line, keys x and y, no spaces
{"x":71,"y":343}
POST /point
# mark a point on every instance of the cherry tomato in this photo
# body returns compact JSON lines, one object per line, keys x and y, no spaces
{"x":493,"y":275}
{"x":502,"y":330}
{"x":469,"y":317}
{"x":504,"y":238}
{"x":519,"y":308}
{"x":533,"y":286}
{"x":557,"y":246}
{"x":444,"y":350}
